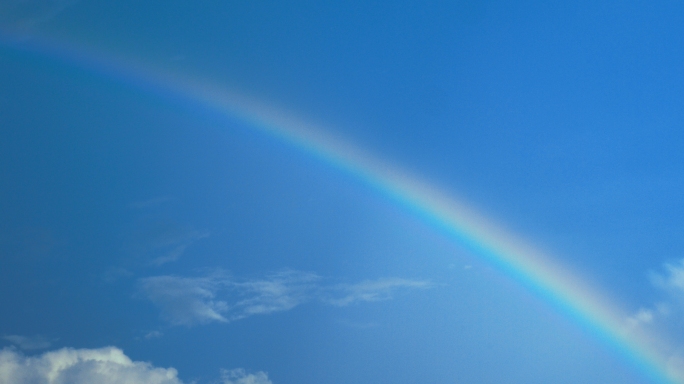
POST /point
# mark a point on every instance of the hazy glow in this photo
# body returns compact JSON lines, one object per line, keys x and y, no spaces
{"x":453,"y":218}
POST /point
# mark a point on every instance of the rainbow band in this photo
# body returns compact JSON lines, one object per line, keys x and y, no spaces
{"x":517,"y":260}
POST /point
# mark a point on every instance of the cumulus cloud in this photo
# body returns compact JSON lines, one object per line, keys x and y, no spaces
{"x":80,"y":366}
{"x":107,"y":365}
{"x":218,"y":297}
{"x":28,"y":343}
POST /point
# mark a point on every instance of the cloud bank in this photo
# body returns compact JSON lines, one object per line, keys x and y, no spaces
{"x":107,"y":365}
{"x":81,"y":366}
{"x":218,"y":297}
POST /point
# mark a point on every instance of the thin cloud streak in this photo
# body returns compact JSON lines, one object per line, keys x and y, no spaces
{"x":373,"y":290}
{"x":240,"y":376}
{"x":221,"y":298}
{"x":175,"y":245}
{"x":276,"y":292}
{"x":163,"y":241}
{"x":185,"y":301}
{"x":28,"y":343}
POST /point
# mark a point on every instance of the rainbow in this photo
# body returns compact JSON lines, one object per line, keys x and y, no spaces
{"x":460,"y":223}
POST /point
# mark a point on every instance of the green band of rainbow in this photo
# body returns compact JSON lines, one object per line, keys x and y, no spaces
{"x":519,"y":261}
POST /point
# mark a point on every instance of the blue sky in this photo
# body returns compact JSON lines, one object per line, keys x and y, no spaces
{"x":137,"y":221}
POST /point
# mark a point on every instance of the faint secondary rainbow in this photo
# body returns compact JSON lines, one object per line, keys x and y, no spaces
{"x":455,"y":219}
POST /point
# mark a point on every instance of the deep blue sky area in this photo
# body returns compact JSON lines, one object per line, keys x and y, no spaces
{"x":146,"y":235}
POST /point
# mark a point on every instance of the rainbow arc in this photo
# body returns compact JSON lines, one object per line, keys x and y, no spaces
{"x":454,"y":218}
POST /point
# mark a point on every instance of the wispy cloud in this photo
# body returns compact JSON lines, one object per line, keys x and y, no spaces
{"x":153,"y":335}
{"x":276,"y":292}
{"x":667,"y":315}
{"x":222,"y":298}
{"x":372,"y":290}
{"x":670,"y":281}
{"x":173,"y":244}
{"x":28,"y":343}
{"x":184,"y":300}
{"x":646,"y":316}
{"x":240,"y":376}
{"x":163,"y":241}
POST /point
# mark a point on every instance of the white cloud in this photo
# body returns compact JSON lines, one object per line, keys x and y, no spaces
{"x":239,"y":376}
{"x":648,"y":316}
{"x":185,"y":301}
{"x":80,"y":366}
{"x":277,"y":292}
{"x":666,"y":317}
{"x":107,"y":365}
{"x":173,"y":255}
{"x":160,"y":241}
{"x":373,"y":290}
{"x":28,"y":343}
{"x":172,"y":244}
{"x":671,"y":282}
{"x":672,"y":279}
{"x":643,"y":316}
{"x":218,"y":297}
{"x":153,"y":335}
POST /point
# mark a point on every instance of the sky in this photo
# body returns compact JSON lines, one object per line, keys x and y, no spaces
{"x":162,"y":224}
